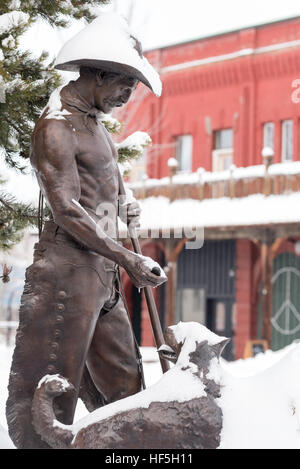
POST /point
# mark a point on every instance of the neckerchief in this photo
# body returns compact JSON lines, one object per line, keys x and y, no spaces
{"x":71,"y":97}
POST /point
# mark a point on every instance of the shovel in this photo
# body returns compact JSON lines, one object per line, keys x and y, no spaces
{"x":154,"y":318}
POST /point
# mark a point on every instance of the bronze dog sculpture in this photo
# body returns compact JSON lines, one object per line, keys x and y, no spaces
{"x":180,"y":411}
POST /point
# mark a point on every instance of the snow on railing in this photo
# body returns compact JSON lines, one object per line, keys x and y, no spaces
{"x":267,"y":179}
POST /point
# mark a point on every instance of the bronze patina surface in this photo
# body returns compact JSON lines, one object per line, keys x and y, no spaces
{"x":72,"y":318}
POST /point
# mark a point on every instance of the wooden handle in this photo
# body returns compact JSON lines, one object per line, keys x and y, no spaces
{"x":154,"y":318}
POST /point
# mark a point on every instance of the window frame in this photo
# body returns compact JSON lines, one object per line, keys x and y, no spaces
{"x":284,"y":140}
{"x":179,"y":152}
{"x":265,"y":136}
{"x":223,"y":153}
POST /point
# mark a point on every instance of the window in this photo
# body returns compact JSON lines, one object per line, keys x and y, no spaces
{"x":287,"y":140}
{"x":184,"y":152}
{"x":223,"y":149}
{"x":190,"y":305}
{"x":223,"y":139}
{"x":220,"y":317}
{"x":268,"y":135}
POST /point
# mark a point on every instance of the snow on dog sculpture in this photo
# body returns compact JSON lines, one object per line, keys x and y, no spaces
{"x":179,"y":411}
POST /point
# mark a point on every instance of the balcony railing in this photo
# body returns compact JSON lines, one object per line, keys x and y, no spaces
{"x":267,"y":179}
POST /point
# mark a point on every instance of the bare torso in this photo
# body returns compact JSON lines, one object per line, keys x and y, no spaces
{"x":95,"y":157}
{"x":75,"y":162}
{"x":97,"y":166}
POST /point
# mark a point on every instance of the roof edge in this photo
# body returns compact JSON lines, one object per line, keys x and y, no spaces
{"x":224,"y":33}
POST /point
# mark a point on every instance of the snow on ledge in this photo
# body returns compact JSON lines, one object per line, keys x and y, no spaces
{"x":257,"y":209}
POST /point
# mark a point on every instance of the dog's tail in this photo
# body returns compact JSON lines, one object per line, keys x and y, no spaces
{"x":54,"y":433}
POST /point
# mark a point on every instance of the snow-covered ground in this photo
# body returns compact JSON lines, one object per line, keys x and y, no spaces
{"x":258,"y":400}
{"x":261,"y":402}
{"x":5,"y":359}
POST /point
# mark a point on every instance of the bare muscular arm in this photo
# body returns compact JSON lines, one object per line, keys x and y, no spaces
{"x":54,"y":160}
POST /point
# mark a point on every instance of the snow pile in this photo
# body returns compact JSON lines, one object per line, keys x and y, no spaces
{"x":5,"y":441}
{"x":263,"y":410}
{"x":253,"y":365}
{"x":5,"y":361}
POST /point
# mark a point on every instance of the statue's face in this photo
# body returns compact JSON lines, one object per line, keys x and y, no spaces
{"x":114,"y":93}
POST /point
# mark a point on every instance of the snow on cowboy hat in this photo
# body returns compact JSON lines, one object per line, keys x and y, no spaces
{"x":107,"y":43}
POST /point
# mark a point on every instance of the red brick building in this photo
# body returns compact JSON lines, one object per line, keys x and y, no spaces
{"x":225,"y":99}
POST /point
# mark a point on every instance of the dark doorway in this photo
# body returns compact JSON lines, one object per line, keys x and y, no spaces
{"x":219,"y":319}
{"x":206,"y":288}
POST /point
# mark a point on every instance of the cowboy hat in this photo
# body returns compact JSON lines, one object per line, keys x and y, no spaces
{"x":107,"y":43}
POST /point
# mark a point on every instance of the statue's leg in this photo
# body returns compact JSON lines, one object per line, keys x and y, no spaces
{"x":30,"y":358}
{"x":62,"y":298}
{"x":112,"y":358}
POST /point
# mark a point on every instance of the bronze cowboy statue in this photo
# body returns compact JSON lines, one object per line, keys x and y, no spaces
{"x":73,"y":321}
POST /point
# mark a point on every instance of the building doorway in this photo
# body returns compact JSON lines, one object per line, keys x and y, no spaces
{"x":206,"y":288}
{"x":220,"y":319}
{"x":285,"y":300}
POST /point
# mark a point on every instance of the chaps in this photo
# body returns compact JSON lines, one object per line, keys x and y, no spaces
{"x":72,"y":322}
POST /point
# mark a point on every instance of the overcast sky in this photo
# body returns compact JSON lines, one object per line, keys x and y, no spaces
{"x":163,"y":22}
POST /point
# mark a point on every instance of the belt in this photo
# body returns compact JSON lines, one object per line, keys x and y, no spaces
{"x":54,"y":233}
